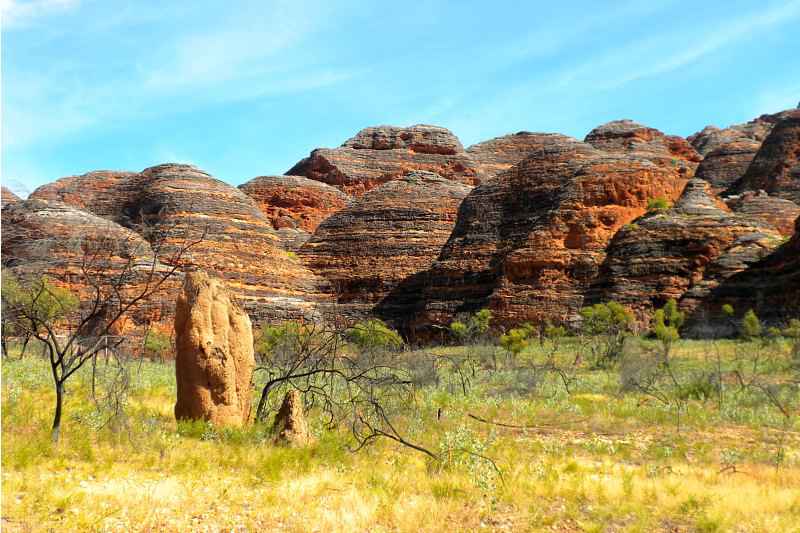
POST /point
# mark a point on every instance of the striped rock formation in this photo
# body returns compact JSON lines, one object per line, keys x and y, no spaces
{"x":177,"y":204}
{"x":681,"y":253}
{"x":386,"y":236}
{"x":383,"y":153}
{"x":294,"y":205}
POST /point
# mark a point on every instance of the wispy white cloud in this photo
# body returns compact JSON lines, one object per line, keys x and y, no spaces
{"x":21,"y":13}
{"x":567,"y":85}
{"x":671,"y":51}
{"x":244,"y":55}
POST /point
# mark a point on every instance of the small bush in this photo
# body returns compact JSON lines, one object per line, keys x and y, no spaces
{"x":606,"y":325}
{"x":751,"y":326}
{"x":667,"y":323}
{"x":469,"y":327}
{"x":157,"y":345}
{"x":658,"y":204}
{"x":374,"y":335}
{"x":517,"y":339}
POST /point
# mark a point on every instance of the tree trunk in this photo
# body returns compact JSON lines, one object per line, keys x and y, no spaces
{"x":24,"y":347}
{"x":56,"y":433}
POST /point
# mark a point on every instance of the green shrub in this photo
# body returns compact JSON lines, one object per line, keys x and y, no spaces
{"x":667,"y":323}
{"x":751,"y":326}
{"x":606,"y":325}
{"x":658,"y":204}
{"x":157,"y":345}
{"x":517,"y":339}
{"x":374,"y":334}
{"x":272,"y":337}
{"x":469,"y":327}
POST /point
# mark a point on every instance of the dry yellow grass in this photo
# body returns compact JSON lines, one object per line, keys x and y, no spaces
{"x":591,"y":472}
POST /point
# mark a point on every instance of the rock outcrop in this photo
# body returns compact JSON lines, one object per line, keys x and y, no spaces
{"x":670,"y":152}
{"x":387,"y":235}
{"x":55,"y":240}
{"x":777,"y":212}
{"x":776,"y":167}
{"x":294,"y":205}
{"x":214,"y":360}
{"x":724,"y":165}
{"x":681,"y":253}
{"x":501,"y":153}
{"x":173,"y":205}
{"x":771,"y":287}
{"x":380,"y":154}
{"x":106,"y":193}
{"x":7,"y":196}
{"x":290,"y":427}
{"x":528,"y":243}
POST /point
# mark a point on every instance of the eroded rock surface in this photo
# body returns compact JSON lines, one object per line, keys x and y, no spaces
{"x":383,"y":153}
{"x":529,"y":242}
{"x":777,"y":212}
{"x":7,"y":196}
{"x":295,"y":205}
{"x":724,"y":165}
{"x":175,"y":205}
{"x":771,"y":287}
{"x":106,"y":193}
{"x":56,"y":240}
{"x":670,"y":152}
{"x":711,"y":137}
{"x":214,"y":360}
{"x":499,"y":154}
{"x":776,"y":167}
{"x":387,"y":235}
{"x":681,"y":253}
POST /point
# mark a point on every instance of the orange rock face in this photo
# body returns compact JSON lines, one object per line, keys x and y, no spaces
{"x":776,"y":212}
{"x":771,"y":287}
{"x":387,"y":235}
{"x":176,"y":204}
{"x":58,"y":241}
{"x":7,"y":196}
{"x":295,"y":205}
{"x":501,"y":153}
{"x":724,"y":165}
{"x":528,"y":243}
{"x":106,"y":193}
{"x":681,"y":253}
{"x":627,"y":137}
{"x":711,"y":138}
{"x":380,"y":154}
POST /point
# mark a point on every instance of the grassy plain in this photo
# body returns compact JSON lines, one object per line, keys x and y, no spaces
{"x":594,"y":458}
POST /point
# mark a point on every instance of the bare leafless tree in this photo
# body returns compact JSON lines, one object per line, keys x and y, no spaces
{"x":112,"y":273}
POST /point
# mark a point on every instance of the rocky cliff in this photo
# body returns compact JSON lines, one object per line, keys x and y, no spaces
{"x":776,"y":167}
{"x":681,"y":253}
{"x":380,"y":154}
{"x":724,"y":165}
{"x":501,"y":153}
{"x":7,"y":196}
{"x":670,"y":152}
{"x":386,"y":236}
{"x":771,"y":287}
{"x":177,"y":204}
{"x":529,"y":242}
{"x":294,"y":205}
{"x":83,"y":252}
{"x":776,"y":212}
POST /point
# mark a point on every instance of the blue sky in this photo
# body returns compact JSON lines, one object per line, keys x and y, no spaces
{"x":248,"y":88}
